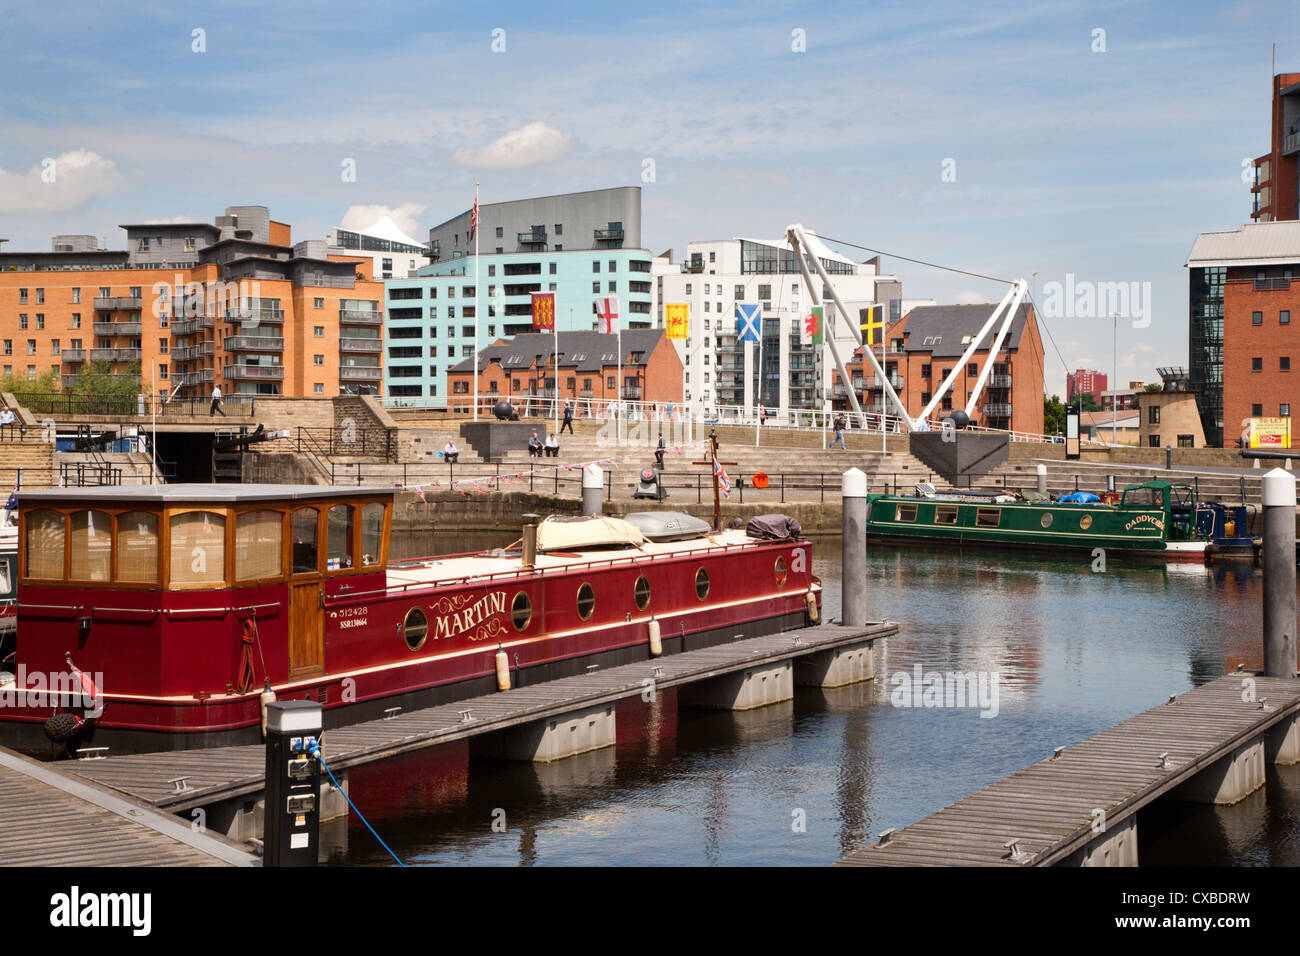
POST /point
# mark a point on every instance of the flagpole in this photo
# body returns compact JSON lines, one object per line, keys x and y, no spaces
{"x":622,"y":410}
{"x":759,"y":390}
{"x":474,"y":223}
{"x":555,"y":327}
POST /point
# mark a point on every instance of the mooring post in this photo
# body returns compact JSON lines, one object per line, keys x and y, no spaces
{"x":1042,"y":479}
{"x":593,"y":490}
{"x":853,"y":577}
{"x":1279,"y":561}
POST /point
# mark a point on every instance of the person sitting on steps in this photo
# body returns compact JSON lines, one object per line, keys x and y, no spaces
{"x":450,"y":453}
{"x":552,"y":446}
{"x":534,"y":447}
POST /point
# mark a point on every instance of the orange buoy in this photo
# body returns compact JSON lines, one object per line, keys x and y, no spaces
{"x":760,"y":479}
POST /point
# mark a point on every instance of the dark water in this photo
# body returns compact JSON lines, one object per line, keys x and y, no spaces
{"x":1075,"y":652}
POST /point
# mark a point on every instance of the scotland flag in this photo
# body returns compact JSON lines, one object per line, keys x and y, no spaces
{"x":748,"y":317}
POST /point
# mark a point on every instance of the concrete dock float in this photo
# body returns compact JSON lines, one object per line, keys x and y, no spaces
{"x":539,"y":722}
{"x":1078,"y":806}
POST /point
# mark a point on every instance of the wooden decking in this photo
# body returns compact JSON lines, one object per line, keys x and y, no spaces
{"x":50,"y":818}
{"x":220,"y":774}
{"x":1049,"y":806}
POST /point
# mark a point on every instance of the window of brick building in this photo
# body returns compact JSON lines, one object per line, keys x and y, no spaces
{"x":1257,"y":364}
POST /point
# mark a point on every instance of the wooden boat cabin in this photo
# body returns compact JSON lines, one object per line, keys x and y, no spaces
{"x":181,"y":603}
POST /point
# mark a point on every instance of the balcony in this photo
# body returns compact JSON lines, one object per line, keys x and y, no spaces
{"x":115,"y":355}
{"x":360,"y":345}
{"x":360,"y":317}
{"x":190,"y":326}
{"x":532,"y":238}
{"x":608,"y":235}
{"x":73,"y":356}
{"x":1291,"y":142}
{"x":192,"y":352}
{"x":273,"y":373}
{"x":997,"y":410}
{"x":1272,"y":285}
{"x":587,"y":393}
{"x":268,"y":315}
{"x":117,"y":303}
{"x":631,"y":393}
{"x":195,"y":378}
{"x":253,"y":343}
{"x":360,"y":373}
{"x":1000,"y":381}
{"x":118,"y":328}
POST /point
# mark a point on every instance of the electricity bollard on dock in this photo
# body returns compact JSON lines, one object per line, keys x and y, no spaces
{"x":291,"y":831}
{"x":1279,"y":562}
{"x":593,"y":489}
{"x":1042,"y":479}
{"x":853,"y":586}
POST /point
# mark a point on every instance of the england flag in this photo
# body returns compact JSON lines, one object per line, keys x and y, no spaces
{"x":607,"y":312}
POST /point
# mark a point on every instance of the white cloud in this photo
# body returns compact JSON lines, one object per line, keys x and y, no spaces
{"x":69,"y":183}
{"x":970,"y":298}
{"x":534,"y":143}
{"x":164,"y":221}
{"x":361,"y":218}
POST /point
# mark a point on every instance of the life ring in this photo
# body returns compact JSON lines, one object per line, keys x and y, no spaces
{"x":759,"y":480}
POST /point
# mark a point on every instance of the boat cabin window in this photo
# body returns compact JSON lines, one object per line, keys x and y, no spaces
{"x":905,"y":513}
{"x":988,"y":517}
{"x":338,"y":557}
{"x":137,"y":547}
{"x":198,"y":548}
{"x":46,"y":537}
{"x":372,"y":534}
{"x":304,"y":540}
{"x":1145,"y":497}
{"x":945,"y":514}
{"x":92,"y":546}
{"x":259,"y":537}
{"x":6,"y":577}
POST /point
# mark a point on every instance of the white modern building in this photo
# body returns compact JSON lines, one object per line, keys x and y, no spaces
{"x":719,"y":370}
{"x":395,"y":254}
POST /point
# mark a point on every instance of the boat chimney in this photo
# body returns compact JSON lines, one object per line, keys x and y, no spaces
{"x":530,"y":540}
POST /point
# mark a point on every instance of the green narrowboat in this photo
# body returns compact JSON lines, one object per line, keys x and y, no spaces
{"x":1152,"y":519}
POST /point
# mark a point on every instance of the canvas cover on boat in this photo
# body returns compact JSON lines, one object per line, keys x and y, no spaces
{"x":667,"y":525}
{"x":562,"y":533}
{"x":776,"y":527}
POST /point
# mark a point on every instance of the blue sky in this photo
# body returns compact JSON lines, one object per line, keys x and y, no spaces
{"x":1068,"y":160}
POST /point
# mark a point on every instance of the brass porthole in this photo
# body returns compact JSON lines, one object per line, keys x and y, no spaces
{"x":586,"y":600}
{"x":521,"y":611}
{"x":641,"y":592}
{"x":1046,"y":519}
{"x":1085,"y":522}
{"x":701,"y":584}
{"x":415,"y":628}
{"x":780,"y":571}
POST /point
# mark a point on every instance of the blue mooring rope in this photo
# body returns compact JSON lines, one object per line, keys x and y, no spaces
{"x":315,"y":752}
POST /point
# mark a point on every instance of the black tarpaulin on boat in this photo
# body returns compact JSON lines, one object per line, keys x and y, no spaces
{"x":777,"y":527}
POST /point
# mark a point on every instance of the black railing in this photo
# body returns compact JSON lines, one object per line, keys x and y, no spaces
{"x":127,"y":406}
{"x":360,"y":442}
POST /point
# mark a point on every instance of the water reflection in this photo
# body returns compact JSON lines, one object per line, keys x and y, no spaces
{"x":1075,"y":651}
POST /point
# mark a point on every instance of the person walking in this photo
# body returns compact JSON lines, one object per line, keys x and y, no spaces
{"x":568,"y":419}
{"x":659,"y":451}
{"x":216,"y":402}
{"x":839,"y":433}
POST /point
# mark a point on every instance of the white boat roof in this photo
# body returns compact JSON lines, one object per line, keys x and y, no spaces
{"x":231,"y":493}
{"x":473,"y":566}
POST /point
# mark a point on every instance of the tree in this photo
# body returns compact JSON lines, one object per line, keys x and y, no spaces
{"x":1088,"y":404}
{"x":42,"y":386}
{"x":1053,"y":415}
{"x":1155,"y":387}
{"x":111,"y":393}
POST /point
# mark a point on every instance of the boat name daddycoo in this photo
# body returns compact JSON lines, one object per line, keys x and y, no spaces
{"x":1145,"y":519}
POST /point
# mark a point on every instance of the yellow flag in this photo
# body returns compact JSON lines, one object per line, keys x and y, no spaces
{"x":678,"y":318}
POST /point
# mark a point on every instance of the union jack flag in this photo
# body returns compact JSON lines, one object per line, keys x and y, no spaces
{"x":723,"y":481}
{"x":473,"y":219}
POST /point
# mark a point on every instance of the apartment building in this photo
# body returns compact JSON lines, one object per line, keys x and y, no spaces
{"x":924,"y":347}
{"x":1275,"y":188}
{"x":392,"y":253}
{"x":1084,"y":382}
{"x":192,"y":305}
{"x":524,"y":370}
{"x":581,"y":247}
{"x":715,"y":276}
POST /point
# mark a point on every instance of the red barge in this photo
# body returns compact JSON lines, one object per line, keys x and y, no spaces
{"x":158,"y":618}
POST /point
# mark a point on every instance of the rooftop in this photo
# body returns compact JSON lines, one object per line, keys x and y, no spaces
{"x":207,"y":493}
{"x":945,"y":330}
{"x":1252,"y":244}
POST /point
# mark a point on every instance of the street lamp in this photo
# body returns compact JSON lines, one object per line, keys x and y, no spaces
{"x":1114,"y":391}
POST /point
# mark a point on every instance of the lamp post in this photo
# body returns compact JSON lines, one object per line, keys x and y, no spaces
{"x":1114,"y":391}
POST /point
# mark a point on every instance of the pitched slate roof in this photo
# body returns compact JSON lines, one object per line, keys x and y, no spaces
{"x":582,"y":351}
{"x":946,"y":325}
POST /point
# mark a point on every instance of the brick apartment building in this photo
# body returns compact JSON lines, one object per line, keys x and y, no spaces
{"x":1085,"y":382}
{"x":234,"y":303}
{"x":523,"y":369}
{"x":922,"y":350}
{"x":1244,"y":297}
{"x":1275,"y":190}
